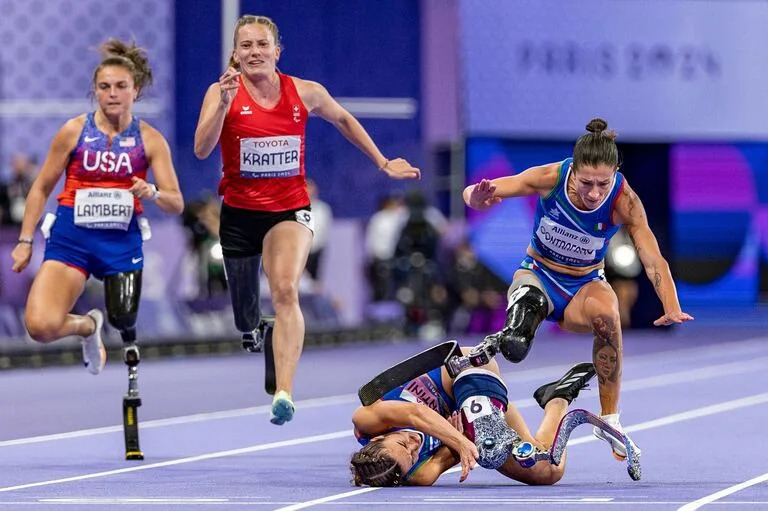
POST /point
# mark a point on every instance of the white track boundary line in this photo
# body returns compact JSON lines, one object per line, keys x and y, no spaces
{"x":323,"y":500}
{"x":185,"y":419}
{"x":661,"y":421}
{"x":696,"y":504}
{"x":729,"y":368}
{"x":219,"y":454}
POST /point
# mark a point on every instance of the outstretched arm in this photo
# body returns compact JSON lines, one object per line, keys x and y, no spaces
{"x":55,"y":162}
{"x":318,"y":101}
{"x":630,"y":212}
{"x":383,"y":416}
{"x":535,"y":180}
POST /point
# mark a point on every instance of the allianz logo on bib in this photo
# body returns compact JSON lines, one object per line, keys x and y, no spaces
{"x":108,"y":162}
{"x":103,"y":194}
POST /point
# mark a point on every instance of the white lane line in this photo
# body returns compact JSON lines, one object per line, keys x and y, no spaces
{"x":670,"y":419}
{"x":674,"y":418}
{"x":135,"y":500}
{"x":630,"y":385}
{"x":696,"y":504}
{"x":185,"y":419}
{"x":192,"y":459}
{"x":323,"y":500}
{"x":540,"y":500}
{"x":661,"y":421}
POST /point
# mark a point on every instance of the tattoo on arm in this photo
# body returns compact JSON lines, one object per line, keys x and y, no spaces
{"x":606,"y":349}
{"x":656,"y":280}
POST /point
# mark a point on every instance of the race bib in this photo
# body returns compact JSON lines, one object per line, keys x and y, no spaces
{"x":103,"y":208}
{"x":265,"y":157}
{"x":478,"y":406}
{"x":574,"y":245}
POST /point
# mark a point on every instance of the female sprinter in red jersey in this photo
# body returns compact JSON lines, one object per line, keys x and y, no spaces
{"x":258,"y":115}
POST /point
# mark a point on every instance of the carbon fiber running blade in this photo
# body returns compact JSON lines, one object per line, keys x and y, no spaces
{"x":270,"y":383}
{"x":406,"y":370}
{"x":131,"y":428}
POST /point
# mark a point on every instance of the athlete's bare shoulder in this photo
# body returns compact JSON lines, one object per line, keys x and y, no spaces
{"x":70,"y":131}
{"x":542,"y":178}
{"x":629,"y":208}
{"x":302,"y":84}
{"x":75,"y":124}
{"x":151,"y":136}
{"x":550,"y":172}
{"x":312,"y":94}
{"x":148,"y":130}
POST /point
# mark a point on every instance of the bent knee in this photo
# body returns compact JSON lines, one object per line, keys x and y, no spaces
{"x":42,"y":328}
{"x":607,"y":325}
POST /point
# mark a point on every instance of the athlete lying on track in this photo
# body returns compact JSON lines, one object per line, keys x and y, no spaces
{"x":424,"y":427}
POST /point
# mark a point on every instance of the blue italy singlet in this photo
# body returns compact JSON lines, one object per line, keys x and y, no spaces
{"x":571,"y":236}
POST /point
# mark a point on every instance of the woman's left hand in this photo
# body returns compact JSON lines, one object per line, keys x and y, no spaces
{"x":400,"y":169}
{"x":673,"y":317}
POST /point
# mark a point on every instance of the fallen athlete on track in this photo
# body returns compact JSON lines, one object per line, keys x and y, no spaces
{"x":422,"y":428}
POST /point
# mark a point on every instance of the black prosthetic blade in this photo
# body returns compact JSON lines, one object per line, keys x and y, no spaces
{"x":406,"y":370}
{"x":270,"y":382}
{"x":131,"y":428}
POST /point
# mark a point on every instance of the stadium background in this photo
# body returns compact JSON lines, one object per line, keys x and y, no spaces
{"x":464,"y":89}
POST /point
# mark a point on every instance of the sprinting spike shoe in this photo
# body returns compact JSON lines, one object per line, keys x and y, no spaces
{"x":567,"y":387}
{"x":282,"y":408}
{"x":618,"y":448}
{"x":94,"y":353}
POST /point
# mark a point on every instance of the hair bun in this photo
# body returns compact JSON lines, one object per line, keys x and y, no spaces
{"x":597,"y":125}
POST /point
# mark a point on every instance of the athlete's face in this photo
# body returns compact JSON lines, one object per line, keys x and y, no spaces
{"x":256,"y":51}
{"x":403,"y":447}
{"x":115,"y":90}
{"x":592,"y":184}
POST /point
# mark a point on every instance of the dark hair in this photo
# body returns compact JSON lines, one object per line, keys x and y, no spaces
{"x":596,"y":147}
{"x":248,"y":19}
{"x":130,"y":57}
{"x":373,"y":466}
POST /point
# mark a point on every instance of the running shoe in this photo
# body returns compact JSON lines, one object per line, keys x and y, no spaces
{"x":282,"y":408}
{"x":94,"y":353}
{"x":568,"y":386}
{"x":618,"y":448}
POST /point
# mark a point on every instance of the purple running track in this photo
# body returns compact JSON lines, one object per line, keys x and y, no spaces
{"x":695,"y":404}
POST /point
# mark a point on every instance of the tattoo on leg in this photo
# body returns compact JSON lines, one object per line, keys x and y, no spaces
{"x":605,"y":349}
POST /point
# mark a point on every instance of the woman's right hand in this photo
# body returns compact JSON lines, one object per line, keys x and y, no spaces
{"x":482,"y":195}
{"x":468,"y":455}
{"x":228,"y":84}
{"x":21,"y":255}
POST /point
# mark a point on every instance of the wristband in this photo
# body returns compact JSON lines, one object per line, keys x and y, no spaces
{"x":156,"y":193}
{"x":386,"y":162}
{"x":28,"y":241}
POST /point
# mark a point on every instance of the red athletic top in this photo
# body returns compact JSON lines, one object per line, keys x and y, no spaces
{"x":262,"y":151}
